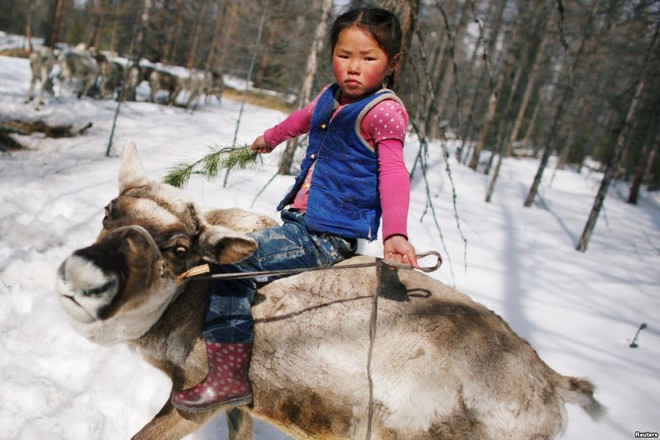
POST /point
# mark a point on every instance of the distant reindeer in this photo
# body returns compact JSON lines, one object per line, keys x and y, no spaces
{"x":162,"y":80}
{"x":214,"y":85}
{"x":194,"y":86}
{"x":112,"y":76}
{"x":41,"y":65}
{"x":442,"y":365}
{"x":136,"y":75}
{"x":78,"y":65}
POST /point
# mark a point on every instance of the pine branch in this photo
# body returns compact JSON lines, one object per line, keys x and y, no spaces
{"x":208,"y":166}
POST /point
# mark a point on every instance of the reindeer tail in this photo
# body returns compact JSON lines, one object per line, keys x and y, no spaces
{"x":581,"y":392}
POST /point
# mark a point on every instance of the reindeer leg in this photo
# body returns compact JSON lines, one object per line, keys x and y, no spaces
{"x":172,"y":424}
{"x":174,"y":94}
{"x":44,"y":82}
{"x":30,"y":95}
{"x":239,"y":424}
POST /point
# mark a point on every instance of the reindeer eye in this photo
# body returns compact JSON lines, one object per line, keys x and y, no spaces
{"x":180,"y":251}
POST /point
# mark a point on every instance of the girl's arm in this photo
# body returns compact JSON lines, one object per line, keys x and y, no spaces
{"x":294,"y":125}
{"x":394,"y":185}
{"x":385,"y":127}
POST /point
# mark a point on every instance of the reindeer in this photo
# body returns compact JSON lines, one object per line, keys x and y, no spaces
{"x":441,"y":367}
{"x":214,"y":85}
{"x":194,"y":86}
{"x":79,"y":65}
{"x":41,"y":64}
{"x":135,"y":76}
{"x":161,"y":80}
{"x":112,"y":77}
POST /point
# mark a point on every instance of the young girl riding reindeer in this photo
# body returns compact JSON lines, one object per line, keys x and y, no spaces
{"x":353,"y":173}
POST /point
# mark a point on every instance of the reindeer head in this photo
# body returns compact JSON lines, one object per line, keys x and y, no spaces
{"x":117,"y":288}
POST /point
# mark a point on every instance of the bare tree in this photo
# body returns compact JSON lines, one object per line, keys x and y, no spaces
{"x":644,"y":163}
{"x":28,"y":28}
{"x":569,"y":69}
{"x":212,"y":59}
{"x":53,"y":35}
{"x":620,"y":146}
{"x":531,"y":87}
{"x":493,"y":100}
{"x":487,"y":43}
{"x":196,"y":36}
{"x":95,"y":34}
{"x":407,"y":11}
{"x":305,"y":94}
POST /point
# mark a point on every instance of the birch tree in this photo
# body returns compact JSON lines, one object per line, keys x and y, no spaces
{"x":95,"y":34}
{"x":488,"y":39}
{"x":620,"y":146}
{"x":305,"y":94}
{"x":53,"y":31}
{"x":212,"y":59}
{"x":196,"y":36}
{"x":407,"y":11}
{"x":530,"y":88}
{"x":566,"y":95}
{"x":644,"y":163}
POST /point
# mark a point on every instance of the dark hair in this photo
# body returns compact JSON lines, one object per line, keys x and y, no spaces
{"x":382,"y":25}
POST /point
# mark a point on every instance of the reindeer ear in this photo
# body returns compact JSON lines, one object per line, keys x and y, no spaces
{"x":131,"y":171}
{"x":223,"y":245}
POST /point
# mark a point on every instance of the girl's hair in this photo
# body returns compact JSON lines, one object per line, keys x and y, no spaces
{"x":382,"y":25}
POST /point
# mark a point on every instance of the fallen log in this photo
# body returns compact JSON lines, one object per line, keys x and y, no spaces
{"x":54,"y":131}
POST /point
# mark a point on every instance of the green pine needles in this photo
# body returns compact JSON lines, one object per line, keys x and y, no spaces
{"x":208,"y":166}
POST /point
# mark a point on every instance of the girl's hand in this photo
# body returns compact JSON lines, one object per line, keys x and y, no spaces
{"x":259,"y":145}
{"x":397,"y":248}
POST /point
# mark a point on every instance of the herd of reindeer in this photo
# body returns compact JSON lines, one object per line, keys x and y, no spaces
{"x":91,"y":73}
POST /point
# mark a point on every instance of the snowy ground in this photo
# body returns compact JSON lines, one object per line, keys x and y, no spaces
{"x":580,"y":311}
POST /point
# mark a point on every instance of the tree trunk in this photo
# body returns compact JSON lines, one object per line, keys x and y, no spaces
{"x":308,"y":82}
{"x":116,"y":24}
{"x":52,"y":35}
{"x":194,"y":45}
{"x":484,"y":71}
{"x":142,"y":29}
{"x":28,"y":30}
{"x":228,"y":29}
{"x":95,"y":35}
{"x":407,"y":11}
{"x":549,"y":144}
{"x":211,"y":61}
{"x":566,"y":96}
{"x":619,"y":148}
{"x":529,"y":91}
{"x":492,"y":107}
{"x":445,"y":93}
{"x":639,"y":174}
{"x":174,"y":34}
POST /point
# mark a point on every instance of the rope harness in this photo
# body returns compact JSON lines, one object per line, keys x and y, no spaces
{"x":197,"y":272}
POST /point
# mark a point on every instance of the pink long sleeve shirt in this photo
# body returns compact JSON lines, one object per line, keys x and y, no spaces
{"x":384,"y":128}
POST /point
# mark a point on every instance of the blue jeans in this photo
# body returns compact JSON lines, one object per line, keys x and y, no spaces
{"x":289,"y":246}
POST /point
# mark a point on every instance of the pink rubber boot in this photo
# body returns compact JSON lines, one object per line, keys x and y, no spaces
{"x":226,"y":383}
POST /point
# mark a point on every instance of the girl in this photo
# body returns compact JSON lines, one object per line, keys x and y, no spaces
{"x":352,"y":173}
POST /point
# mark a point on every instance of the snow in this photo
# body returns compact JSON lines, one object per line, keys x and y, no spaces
{"x":579,"y":310}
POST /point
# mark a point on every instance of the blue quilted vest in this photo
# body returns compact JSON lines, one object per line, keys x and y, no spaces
{"x":343,"y":198}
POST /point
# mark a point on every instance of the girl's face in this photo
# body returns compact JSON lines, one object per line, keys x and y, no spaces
{"x":359,"y":64}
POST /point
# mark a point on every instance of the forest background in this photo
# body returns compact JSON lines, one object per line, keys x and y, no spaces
{"x":571,"y":82}
{"x":574,"y":79}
